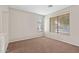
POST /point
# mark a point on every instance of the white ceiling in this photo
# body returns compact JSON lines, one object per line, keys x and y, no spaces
{"x":40,"y":9}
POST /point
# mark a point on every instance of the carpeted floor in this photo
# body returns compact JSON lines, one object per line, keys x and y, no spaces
{"x":41,"y":45}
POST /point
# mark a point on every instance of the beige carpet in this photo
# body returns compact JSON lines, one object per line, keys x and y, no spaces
{"x":41,"y":45}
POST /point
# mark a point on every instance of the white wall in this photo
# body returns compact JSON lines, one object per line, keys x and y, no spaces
{"x":3,"y":11}
{"x":23,"y":25}
{"x":4,"y":18}
{"x":73,"y":38}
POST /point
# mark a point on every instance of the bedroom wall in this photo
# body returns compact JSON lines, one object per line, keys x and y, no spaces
{"x":73,"y":38}
{"x":23,"y":25}
{"x":4,"y":22}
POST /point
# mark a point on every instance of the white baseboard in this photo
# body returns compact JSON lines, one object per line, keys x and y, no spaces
{"x":63,"y":38}
{"x":27,"y":37}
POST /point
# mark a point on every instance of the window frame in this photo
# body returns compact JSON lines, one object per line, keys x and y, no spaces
{"x":57,"y":18}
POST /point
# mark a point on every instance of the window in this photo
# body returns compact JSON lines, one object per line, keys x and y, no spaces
{"x":53,"y":24}
{"x":60,"y":24}
{"x":40,"y":25}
